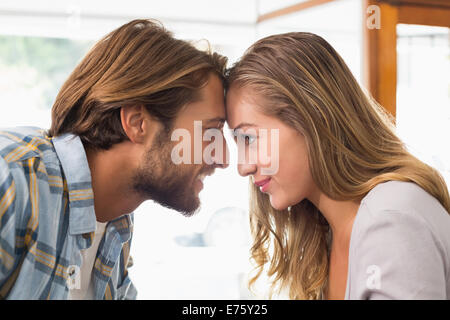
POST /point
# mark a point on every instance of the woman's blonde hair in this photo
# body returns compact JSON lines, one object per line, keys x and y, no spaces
{"x":351,"y":144}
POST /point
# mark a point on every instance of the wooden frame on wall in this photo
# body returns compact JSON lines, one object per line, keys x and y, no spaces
{"x":380,"y":45}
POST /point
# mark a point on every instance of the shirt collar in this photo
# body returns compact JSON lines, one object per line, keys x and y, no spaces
{"x":72,"y":156}
{"x":124,"y":226}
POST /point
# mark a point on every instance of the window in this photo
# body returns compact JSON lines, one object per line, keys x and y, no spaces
{"x":423,"y":93}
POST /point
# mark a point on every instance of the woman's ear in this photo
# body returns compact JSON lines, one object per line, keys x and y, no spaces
{"x":133,"y":120}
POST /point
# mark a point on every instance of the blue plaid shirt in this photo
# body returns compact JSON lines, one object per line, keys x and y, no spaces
{"x":47,"y":216}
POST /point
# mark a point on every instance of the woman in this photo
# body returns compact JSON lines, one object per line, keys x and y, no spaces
{"x":349,"y":213}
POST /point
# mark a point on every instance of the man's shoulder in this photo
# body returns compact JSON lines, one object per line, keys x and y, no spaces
{"x":22,"y":143}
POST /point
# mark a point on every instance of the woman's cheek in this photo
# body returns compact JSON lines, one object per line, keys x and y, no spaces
{"x":268,"y":154}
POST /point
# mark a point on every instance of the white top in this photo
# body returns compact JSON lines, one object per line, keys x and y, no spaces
{"x":400,"y":245}
{"x":86,"y":290}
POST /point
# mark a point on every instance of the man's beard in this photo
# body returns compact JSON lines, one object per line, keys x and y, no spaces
{"x":166,"y":183}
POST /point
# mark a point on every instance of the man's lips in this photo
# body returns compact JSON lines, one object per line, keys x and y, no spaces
{"x":199,"y":179}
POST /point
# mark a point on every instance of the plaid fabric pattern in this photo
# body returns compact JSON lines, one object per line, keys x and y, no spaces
{"x":47,"y":216}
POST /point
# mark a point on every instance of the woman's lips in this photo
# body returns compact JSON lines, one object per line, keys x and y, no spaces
{"x":263,"y":184}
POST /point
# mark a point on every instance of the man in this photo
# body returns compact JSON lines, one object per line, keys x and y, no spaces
{"x":67,"y":195}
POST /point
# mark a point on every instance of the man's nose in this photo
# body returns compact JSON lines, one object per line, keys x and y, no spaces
{"x":222,"y":158}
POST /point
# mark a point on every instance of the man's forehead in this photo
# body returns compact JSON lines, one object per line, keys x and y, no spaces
{"x":199,"y":111}
{"x":209,"y":105}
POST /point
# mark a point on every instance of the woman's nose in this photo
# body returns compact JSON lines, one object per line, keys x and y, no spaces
{"x":246,"y":169}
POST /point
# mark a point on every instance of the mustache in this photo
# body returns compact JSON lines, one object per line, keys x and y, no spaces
{"x":208,"y":170}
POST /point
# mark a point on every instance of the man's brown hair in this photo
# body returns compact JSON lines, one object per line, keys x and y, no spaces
{"x":140,"y":63}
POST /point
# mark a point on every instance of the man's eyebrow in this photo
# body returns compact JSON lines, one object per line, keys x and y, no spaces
{"x":217,"y":119}
{"x":244,"y":124}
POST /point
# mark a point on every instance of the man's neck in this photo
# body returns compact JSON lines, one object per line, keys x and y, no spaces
{"x":110,"y":174}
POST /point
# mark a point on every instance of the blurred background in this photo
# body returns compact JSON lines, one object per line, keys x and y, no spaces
{"x":398,"y":50}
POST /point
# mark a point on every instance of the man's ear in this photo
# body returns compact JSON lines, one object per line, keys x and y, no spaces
{"x":135,"y":122}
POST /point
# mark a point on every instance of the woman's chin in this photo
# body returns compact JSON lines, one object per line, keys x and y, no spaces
{"x":277,"y":204}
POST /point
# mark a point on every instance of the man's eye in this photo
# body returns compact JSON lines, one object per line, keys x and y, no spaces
{"x":220,"y":128}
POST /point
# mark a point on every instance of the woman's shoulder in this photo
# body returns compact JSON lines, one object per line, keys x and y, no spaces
{"x":406,"y":199}
{"x":404,"y":232}
{"x":400,"y":210}
{"x":400,"y":195}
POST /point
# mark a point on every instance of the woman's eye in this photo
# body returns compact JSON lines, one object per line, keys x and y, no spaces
{"x":249,"y":139}
{"x":242,"y":137}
